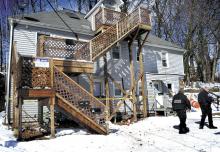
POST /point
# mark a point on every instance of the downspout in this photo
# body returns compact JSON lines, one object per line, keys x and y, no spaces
{"x":8,"y":82}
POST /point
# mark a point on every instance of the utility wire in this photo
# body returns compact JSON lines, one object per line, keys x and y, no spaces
{"x":77,"y":38}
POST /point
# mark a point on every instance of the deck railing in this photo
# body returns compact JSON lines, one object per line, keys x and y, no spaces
{"x":35,"y":73}
{"x":105,"y":40}
{"x":107,"y":17}
{"x":79,"y":97}
{"x":63,"y":48}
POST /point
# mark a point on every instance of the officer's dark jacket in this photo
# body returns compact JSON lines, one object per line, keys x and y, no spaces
{"x":204,"y":99}
{"x":185,"y":104}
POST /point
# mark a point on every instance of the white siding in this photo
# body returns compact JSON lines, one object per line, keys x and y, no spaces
{"x":26,"y":42}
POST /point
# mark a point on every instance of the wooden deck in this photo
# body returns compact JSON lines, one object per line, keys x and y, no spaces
{"x":69,"y":66}
{"x":36,"y":93}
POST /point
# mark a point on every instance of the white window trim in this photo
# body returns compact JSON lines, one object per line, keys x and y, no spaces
{"x":119,"y":52}
{"x":114,"y":87}
{"x":166,"y":59}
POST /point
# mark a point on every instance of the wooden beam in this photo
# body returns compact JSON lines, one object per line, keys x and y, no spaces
{"x":141,"y":64}
{"x":142,"y":80}
{"x":132,"y":79}
{"x":52,"y":121}
{"x":91,"y":83}
{"x":40,"y":51}
{"x":18,"y":118}
{"x":51,"y":72}
{"x":40,"y":112}
{"x":72,"y":63}
{"x":36,"y":93}
{"x":106,"y":87}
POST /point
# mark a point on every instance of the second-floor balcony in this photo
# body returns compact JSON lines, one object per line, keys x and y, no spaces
{"x":107,"y":17}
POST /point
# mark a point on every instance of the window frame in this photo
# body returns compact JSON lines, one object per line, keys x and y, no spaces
{"x":114,"y":89}
{"x":119,"y":51}
{"x":166,"y":57}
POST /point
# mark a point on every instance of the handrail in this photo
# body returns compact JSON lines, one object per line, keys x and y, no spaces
{"x":58,"y":47}
{"x":79,"y":86}
{"x":106,"y":16}
{"x":109,"y":37}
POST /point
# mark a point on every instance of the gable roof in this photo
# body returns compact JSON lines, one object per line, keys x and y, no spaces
{"x":153,"y":40}
{"x":50,"y":20}
{"x":79,"y":25}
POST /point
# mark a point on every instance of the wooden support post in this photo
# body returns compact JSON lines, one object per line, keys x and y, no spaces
{"x":40,"y":112}
{"x":18,"y":118}
{"x":141,"y":64}
{"x":51,"y":73}
{"x":91,"y":83}
{"x":107,"y":106}
{"x":106,"y":85}
{"x":132,"y":79}
{"x":41,"y":46}
{"x":52,"y":121}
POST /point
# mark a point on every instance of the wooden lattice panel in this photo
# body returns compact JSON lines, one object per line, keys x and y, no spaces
{"x":34,"y":77}
{"x":58,"y":48}
{"x":75,"y":94}
{"x":107,"y":17}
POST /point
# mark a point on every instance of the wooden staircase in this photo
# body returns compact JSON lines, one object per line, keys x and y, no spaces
{"x":78,"y":102}
{"x":138,"y":20}
{"x":72,"y":97}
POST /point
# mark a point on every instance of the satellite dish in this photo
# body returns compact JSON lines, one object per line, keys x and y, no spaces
{"x":22,"y":4}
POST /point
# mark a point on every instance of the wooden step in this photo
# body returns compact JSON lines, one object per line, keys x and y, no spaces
{"x":81,"y":117}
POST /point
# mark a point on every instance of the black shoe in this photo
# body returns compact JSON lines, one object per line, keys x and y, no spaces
{"x":187,"y":129}
{"x":200,"y":127}
{"x":213,"y":127}
{"x":183,"y":131}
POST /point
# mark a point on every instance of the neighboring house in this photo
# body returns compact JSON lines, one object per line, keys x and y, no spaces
{"x":163,"y":61}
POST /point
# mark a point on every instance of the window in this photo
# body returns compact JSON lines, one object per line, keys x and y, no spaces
{"x":97,"y":89}
{"x":117,"y":91}
{"x":164,"y":59}
{"x":116,"y":52}
{"x":169,"y":86}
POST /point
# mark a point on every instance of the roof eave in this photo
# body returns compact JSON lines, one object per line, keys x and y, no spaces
{"x":93,"y":9}
{"x":44,"y":25}
{"x":166,"y":47}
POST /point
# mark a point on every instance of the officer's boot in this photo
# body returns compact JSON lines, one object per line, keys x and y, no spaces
{"x":202,"y":122}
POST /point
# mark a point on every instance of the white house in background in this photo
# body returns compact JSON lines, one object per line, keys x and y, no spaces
{"x":163,"y":60}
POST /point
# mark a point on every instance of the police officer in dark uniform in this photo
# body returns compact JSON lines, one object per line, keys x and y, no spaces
{"x":205,"y":102}
{"x":180,"y":104}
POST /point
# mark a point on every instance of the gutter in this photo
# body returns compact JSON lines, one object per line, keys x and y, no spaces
{"x":8,"y":82}
{"x":44,"y":25}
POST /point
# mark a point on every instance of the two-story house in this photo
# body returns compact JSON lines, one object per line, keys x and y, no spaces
{"x":50,"y":61}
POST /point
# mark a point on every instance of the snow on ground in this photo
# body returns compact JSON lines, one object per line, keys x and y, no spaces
{"x":151,"y":134}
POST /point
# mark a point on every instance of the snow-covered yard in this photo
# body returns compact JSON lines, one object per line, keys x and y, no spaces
{"x":152,"y":134}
